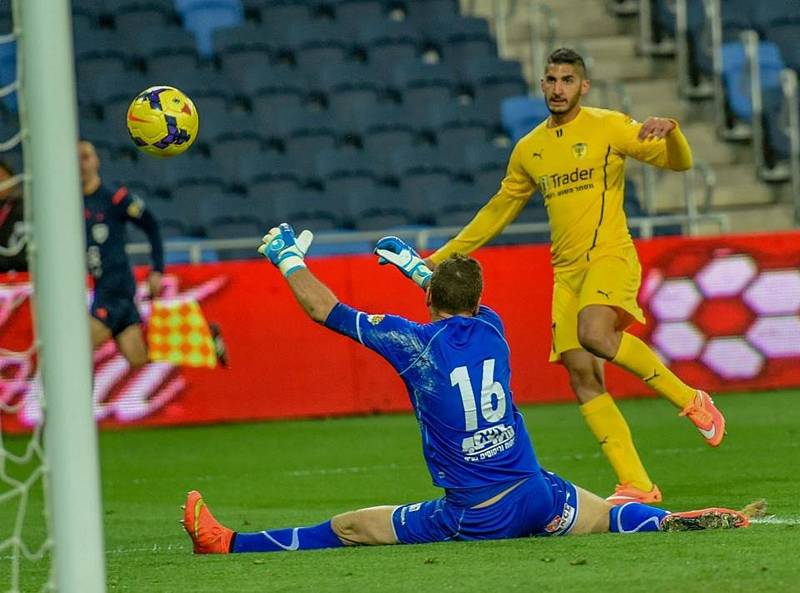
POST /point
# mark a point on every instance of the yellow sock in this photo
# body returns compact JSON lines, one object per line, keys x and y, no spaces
{"x":637,"y":357}
{"x":608,"y":425}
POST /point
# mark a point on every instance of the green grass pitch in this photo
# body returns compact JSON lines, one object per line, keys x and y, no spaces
{"x":282,"y":474}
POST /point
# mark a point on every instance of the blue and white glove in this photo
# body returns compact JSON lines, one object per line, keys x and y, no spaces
{"x":284,"y":249}
{"x":395,"y":251}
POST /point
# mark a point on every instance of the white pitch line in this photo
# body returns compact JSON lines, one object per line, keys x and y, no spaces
{"x":773,"y":520}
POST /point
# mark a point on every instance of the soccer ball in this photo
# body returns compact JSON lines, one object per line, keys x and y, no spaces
{"x":162,"y":121}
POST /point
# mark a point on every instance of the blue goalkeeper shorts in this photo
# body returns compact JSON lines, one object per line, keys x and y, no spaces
{"x":544,"y":504}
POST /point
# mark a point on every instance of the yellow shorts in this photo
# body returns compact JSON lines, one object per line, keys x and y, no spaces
{"x":611,"y":280}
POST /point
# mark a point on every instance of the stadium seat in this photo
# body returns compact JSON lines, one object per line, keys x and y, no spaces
{"x":455,"y":204}
{"x":8,"y":72}
{"x":768,"y":15}
{"x":307,"y":210}
{"x":140,"y":19}
{"x":377,"y":209}
{"x":776,"y":139}
{"x":462,"y":39}
{"x":423,"y":85}
{"x":317,"y":45}
{"x":116,"y":84}
{"x":343,"y":171}
{"x":459,"y":125}
{"x":192,"y":169}
{"x":737,"y":16}
{"x":350,"y":88}
{"x":284,"y":12}
{"x":355,"y":11}
{"x":245,"y":227}
{"x":389,"y":42}
{"x":128,"y":173}
{"x":736,"y":77}
{"x":520,"y":114}
{"x":422,"y":170}
{"x":787,"y":38}
{"x":307,"y":134}
{"x":384,"y":130}
{"x":487,"y":165}
{"x":202,"y":17}
{"x":242,"y":47}
{"x":99,"y":51}
{"x":165,"y":55}
{"x":424,"y":11}
{"x":494,"y":79}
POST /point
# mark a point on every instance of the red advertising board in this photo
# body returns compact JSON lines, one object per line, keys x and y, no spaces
{"x":724,"y":312}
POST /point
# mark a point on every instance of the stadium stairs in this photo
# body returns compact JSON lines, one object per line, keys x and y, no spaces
{"x":609,"y":42}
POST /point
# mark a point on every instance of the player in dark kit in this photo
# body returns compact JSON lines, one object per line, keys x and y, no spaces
{"x":106,"y":211}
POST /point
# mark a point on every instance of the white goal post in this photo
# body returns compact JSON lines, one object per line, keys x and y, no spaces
{"x":48,"y":115}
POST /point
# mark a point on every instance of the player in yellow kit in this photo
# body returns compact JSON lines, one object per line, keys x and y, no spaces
{"x":576,"y":159}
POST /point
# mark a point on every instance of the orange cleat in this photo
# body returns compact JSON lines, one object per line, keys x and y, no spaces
{"x":208,"y":535}
{"x":627,"y":493}
{"x":713,"y":518}
{"x":706,"y":417}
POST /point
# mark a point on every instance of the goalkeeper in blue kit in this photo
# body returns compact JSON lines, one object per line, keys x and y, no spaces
{"x":474,"y":440}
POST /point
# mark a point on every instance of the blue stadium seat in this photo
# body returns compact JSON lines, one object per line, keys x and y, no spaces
{"x":354,"y":11}
{"x":128,"y":173}
{"x":260,"y":206}
{"x":494,"y":79}
{"x":307,"y":210}
{"x":736,"y":16}
{"x":244,"y":227}
{"x":191,"y":170}
{"x":116,"y":84}
{"x":423,"y":85}
{"x":487,"y":165}
{"x":284,"y":12}
{"x":776,"y":139}
{"x":203,"y":17}
{"x":389,"y":42}
{"x":272,"y":173}
{"x":462,"y":39}
{"x":459,"y":125}
{"x":521,"y":114}
{"x":384,"y":130}
{"x":424,"y":11}
{"x":377,"y":209}
{"x":91,"y":8}
{"x":787,"y":38}
{"x":8,"y":72}
{"x":242,"y":47}
{"x":307,"y":134}
{"x":422,"y":169}
{"x":99,"y":51}
{"x":316,"y":45}
{"x":664,"y":16}
{"x":168,"y":54}
{"x":350,"y":88}
{"x":343,"y":171}
{"x":132,"y":18}
{"x":456,"y":204}
{"x":735,"y":75}
{"x":775,"y":14}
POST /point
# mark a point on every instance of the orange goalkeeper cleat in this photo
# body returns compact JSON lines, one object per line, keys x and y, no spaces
{"x":627,"y":493}
{"x":713,"y":518}
{"x":208,"y":535}
{"x":706,"y":417}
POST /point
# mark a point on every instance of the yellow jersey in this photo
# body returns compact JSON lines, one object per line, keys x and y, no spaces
{"x":579,"y":168}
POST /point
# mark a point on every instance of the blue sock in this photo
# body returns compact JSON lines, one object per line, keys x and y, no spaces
{"x":287,"y":540}
{"x":633,"y":516}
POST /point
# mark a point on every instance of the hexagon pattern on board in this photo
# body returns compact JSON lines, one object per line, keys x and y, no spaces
{"x":733,"y":348}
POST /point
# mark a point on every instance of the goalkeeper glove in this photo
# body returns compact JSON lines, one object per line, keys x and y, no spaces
{"x":395,"y":251}
{"x":284,"y":249}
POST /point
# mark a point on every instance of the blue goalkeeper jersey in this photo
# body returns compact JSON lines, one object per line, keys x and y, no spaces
{"x":457,"y":374}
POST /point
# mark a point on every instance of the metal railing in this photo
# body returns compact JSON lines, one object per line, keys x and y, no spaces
{"x":422,"y":238}
{"x":790,"y":98}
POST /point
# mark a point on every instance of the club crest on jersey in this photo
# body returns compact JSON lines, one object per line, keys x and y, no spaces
{"x":100,"y":233}
{"x":135,"y":207}
{"x":375,"y":319}
{"x":580,"y":149}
